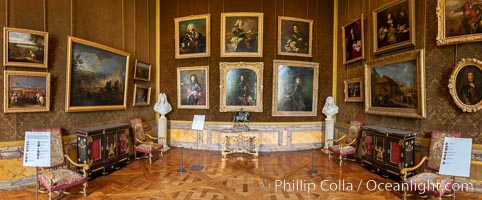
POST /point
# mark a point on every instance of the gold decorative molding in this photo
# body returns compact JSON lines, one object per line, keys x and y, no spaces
{"x":251,"y":123}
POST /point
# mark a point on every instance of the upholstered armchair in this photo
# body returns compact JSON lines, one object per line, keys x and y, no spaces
{"x":60,"y":176}
{"x":435,"y":185}
{"x":145,"y":143}
{"x":347,"y":143}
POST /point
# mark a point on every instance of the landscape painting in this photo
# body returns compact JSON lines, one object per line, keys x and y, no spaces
{"x":142,"y":71}
{"x":142,"y":95}
{"x":96,"y":77}
{"x":354,"y":90}
{"x":26,"y":91}
{"x":395,"y":86}
{"x":25,"y":48}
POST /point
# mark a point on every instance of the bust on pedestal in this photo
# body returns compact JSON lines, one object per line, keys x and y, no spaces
{"x":330,"y":109}
{"x":162,"y":107}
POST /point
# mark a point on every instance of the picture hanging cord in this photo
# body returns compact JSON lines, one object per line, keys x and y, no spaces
{"x":208,"y":58}
{"x":44,"y":7}
{"x":307,"y":10}
{"x":283,"y":11}
{"x":123,"y":25}
{"x":260,"y":58}
{"x":275,"y":30}
{"x":135,"y":28}
{"x":314,"y":30}
{"x":148,"y":31}
{"x":6,"y":13}
{"x":71,"y":18}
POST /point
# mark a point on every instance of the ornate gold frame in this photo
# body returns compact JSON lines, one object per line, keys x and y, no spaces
{"x":259,"y":53}
{"x":442,"y":38}
{"x":411,"y":21}
{"x":314,"y":106}
{"x":362,"y":39}
{"x":7,"y":75}
{"x":354,"y":99}
{"x":135,"y":103}
{"x":310,"y":35}
{"x":207,"y":17}
{"x":6,"y":31}
{"x":68,"y":107}
{"x":135,"y":71}
{"x":206,"y":89}
{"x":453,"y":84}
{"x":257,"y":67}
{"x":419,"y":112}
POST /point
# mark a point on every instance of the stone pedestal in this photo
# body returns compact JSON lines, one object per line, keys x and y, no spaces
{"x":162,"y":131}
{"x":329,"y":133}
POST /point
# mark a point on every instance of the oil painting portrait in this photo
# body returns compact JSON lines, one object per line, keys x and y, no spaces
{"x":193,"y":87}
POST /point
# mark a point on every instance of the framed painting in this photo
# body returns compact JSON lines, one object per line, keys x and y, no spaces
{"x":142,"y":71}
{"x":142,"y":95}
{"x":242,"y":34}
{"x":465,"y":84}
{"x":459,"y":21}
{"x":193,"y":87}
{"x":395,"y":85}
{"x":26,"y":91}
{"x":192,"y":36}
{"x":354,"y":90}
{"x":394,"y":26}
{"x":241,"y":86}
{"x":295,"y":88}
{"x":353,"y":41}
{"x":96,"y":77}
{"x":295,"y":36}
{"x":25,"y":48}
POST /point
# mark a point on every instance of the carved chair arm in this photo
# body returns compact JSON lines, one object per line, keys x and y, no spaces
{"x":85,"y":167}
{"x":352,"y":142}
{"x":337,"y":140}
{"x":404,"y":171}
{"x":156,"y":138}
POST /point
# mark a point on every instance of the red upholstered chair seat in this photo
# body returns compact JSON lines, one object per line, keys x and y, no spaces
{"x":347,"y":143}
{"x":346,"y":150}
{"x":145,"y":143}
{"x":63,"y":178}
{"x":430,"y":183}
{"x":145,"y":148}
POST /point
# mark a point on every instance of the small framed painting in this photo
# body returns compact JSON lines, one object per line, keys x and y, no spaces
{"x":25,"y":48}
{"x":465,"y":84}
{"x":394,"y":26}
{"x":354,"y":90}
{"x":26,"y":91}
{"x":241,"y":86}
{"x":242,"y":34}
{"x":142,"y":71}
{"x":193,"y":36}
{"x":295,"y":88}
{"x":295,"y":36}
{"x":142,"y":95}
{"x":353,"y":41}
{"x":193,"y":87}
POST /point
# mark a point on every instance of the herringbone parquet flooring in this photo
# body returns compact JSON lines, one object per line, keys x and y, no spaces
{"x":277,"y":175}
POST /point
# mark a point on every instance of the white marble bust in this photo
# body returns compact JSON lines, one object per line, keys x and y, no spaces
{"x":330,"y":108}
{"x":162,"y":106}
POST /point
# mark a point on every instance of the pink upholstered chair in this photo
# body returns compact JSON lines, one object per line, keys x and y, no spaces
{"x":439,"y":184}
{"x":347,"y":144}
{"x":60,"y":176}
{"x":144,"y":142}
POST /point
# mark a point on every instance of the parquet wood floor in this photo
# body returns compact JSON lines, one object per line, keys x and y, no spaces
{"x":235,"y":179}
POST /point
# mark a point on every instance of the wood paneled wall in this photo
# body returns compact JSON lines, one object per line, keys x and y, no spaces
{"x":128,"y":25}
{"x":442,"y":113}
{"x":320,"y":11}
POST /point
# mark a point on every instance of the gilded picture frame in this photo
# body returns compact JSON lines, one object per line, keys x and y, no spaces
{"x":142,"y":71}
{"x":241,"y":86}
{"x":353,"y":40}
{"x":393,"y":28}
{"x":26,"y":91}
{"x":354,"y":90}
{"x":242,"y":34}
{"x":295,"y":88}
{"x":89,"y":65}
{"x":295,"y":36}
{"x":142,"y":95}
{"x":193,"y":87}
{"x":25,"y":48}
{"x":453,"y":27}
{"x":395,"y":85}
{"x":464,"y":84}
{"x":192,"y":36}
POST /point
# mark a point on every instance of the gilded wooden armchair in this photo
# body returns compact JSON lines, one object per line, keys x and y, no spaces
{"x":144,"y":143}
{"x":429,"y":184}
{"x":347,"y":144}
{"x":60,"y":176}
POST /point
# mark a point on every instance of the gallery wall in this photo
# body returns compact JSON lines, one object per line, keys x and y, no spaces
{"x":320,"y":11}
{"x":127,"y":25}
{"x":442,"y":112}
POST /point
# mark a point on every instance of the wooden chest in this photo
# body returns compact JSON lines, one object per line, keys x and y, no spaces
{"x":387,"y":151}
{"x":105,"y":148}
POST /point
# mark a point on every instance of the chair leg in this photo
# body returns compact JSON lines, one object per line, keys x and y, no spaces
{"x":341,"y":160}
{"x":85,"y":189}
{"x":404,"y":195}
{"x":150,"y":157}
